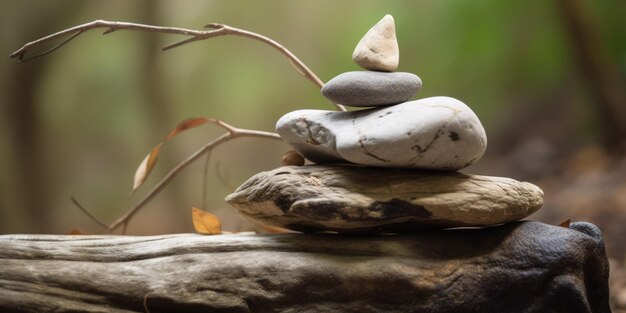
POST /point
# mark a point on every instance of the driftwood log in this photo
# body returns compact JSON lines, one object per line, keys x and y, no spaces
{"x":353,"y":199}
{"x":518,"y":267}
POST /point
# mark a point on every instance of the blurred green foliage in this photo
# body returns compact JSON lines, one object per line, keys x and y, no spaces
{"x":101,"y":102}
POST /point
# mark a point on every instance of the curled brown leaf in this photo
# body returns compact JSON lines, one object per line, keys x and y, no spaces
{"x":186,"y":124}
{"x":566,"y":223}
{"x":146,"y":166}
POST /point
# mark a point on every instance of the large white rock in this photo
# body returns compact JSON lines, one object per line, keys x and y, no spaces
{"x":432,"y":133}
{"x":378,"y":49}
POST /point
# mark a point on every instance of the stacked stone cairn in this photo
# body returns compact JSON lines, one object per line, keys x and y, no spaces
{"x":388,"y":168}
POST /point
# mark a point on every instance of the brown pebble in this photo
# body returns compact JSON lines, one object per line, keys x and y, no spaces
{"x":293,"y":158}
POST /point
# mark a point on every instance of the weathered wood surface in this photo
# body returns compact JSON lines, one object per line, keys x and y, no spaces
{"x":351,"y":199}
{"x":518,"y":267}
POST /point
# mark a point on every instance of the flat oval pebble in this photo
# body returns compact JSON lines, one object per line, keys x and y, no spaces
{"x":433,"y":133}
{"x":359,"y":199}
{"x":370,"y":89}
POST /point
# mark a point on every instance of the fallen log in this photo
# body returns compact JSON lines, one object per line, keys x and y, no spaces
{"x":517,"y":267}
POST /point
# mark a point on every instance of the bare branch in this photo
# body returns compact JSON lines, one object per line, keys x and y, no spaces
{"x":229,"y":128}
{"x":232,"y":134}
{"x":112,"y":26}
{"x":21,"y":58}
{"x":124,"y":227}
{"x":205,"y":180}
{"x":93,"y":217}
{"x":196,"y":35}
{"x":221,"y":178}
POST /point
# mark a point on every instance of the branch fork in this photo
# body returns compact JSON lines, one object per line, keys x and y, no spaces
{"x":211,"y":30}
{"x":217,"y":30}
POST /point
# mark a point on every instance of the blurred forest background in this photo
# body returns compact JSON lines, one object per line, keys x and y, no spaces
{"x":547,"y":79}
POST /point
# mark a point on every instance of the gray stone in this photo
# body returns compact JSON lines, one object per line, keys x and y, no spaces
{"x":352,"y":199}
{"x":518,"y":267}
{"x":378,"y":49}
{"x":431,"y":133}
{"x":370,"y":89}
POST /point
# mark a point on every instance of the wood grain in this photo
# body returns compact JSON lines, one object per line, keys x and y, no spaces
{"x":524,"y":266}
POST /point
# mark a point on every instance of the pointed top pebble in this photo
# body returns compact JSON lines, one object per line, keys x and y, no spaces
{"x":378,"y":49}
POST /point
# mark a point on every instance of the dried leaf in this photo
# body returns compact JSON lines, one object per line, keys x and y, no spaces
{"x":76,"y":231}
{"x":186,"y":124}
{"x":146,"y":166}
{"x":205,"y":222}
{"x":275,"y":230}
{"x":292,"y":157}
{"x":566,"y":223}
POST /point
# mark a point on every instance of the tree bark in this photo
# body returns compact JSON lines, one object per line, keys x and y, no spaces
{"x":602,"y":74}
{"x":25,"y":131}
{"x":517,"y":267}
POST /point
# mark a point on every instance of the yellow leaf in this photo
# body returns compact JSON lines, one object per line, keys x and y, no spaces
{"x":566,"y":223}
{"x":205,"y":222}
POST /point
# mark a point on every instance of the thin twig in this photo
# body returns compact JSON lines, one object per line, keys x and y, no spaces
{"x":112,"y":26}
{"x":145,"y":302}
{"x":221,"y":178}
{"x":229,"y":128}
{"x":232,"y":134}
{"x":93,"y":217}
{"x":205,"y":180}
{"x":21,"y":59}
{"x":196,"y":35}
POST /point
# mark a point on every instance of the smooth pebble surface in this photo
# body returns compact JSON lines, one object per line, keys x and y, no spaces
{"x":370,"y":89}
{"x":439,"y":133}
{"x":378,"y":49}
